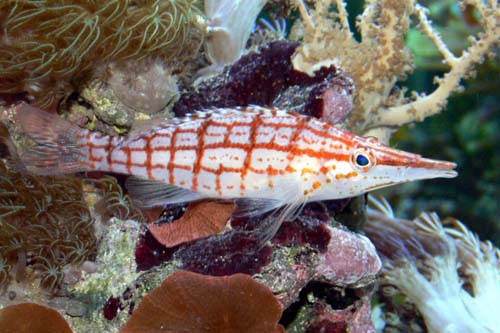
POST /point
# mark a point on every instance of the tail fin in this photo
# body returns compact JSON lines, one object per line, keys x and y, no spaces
{"x":59,"y":146}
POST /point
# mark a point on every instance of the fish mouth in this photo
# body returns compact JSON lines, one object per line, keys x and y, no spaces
{"x":449,"y":174}
{"x":442,"y":169}
{"x":418,"y":166}
{"x":433,"y":164}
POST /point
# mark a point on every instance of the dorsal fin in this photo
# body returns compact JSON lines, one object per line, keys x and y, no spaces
{"x":237,"y":110}
{"x":214,"y":112}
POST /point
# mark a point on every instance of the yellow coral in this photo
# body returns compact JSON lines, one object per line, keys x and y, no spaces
{"x":380,"y":58}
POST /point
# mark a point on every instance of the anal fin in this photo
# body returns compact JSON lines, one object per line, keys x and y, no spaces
{"x":251,"y":207}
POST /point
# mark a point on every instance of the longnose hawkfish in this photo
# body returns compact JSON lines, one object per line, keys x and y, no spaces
{"x":266,"y":158}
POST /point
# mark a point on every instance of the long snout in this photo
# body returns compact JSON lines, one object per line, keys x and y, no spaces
{"x":415,"y":165}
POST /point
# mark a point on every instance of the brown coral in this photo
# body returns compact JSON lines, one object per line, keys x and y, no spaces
{"x":202,"y":219}
{"x":48,"y":45}
{"x":44,"y":225}
{"x":32,"y":318}
{"x":113,"y":202}
{"x":190,"y":302}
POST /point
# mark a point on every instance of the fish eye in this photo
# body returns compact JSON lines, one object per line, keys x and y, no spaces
{"x":363,"y":159}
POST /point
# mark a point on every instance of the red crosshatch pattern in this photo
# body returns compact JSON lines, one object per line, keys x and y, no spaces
{"x":218,"y":153}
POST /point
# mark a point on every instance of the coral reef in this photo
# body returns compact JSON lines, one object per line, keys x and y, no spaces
{"x":355,"y":318}
{"x":82,"y":248}
{"x":32,"y":318}
{"x":116,"y":270}
{"x":106,"y":107}
{"x":443,"y":273}
{"x":198,"y":303}
{"x":303,"y":252}
{"x":48,"y":46}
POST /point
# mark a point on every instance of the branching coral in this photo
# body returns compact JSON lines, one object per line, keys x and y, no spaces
{"x":451,"y":277}
{"x":48,"y":45}
{"x":380,"y":58}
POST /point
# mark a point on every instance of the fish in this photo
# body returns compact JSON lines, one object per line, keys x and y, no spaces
{"x":265,"y":158}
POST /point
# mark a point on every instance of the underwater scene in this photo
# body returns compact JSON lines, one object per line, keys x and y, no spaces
{"x":249,"y":166}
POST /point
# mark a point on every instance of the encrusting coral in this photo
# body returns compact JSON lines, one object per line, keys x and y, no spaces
{"x":201,"y":219}
{"x":46,"y":46}
{"x":32,"y":318}
{"x":190,"y":302}
{"x":440,"y":269}
{"x":116,"y":268}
